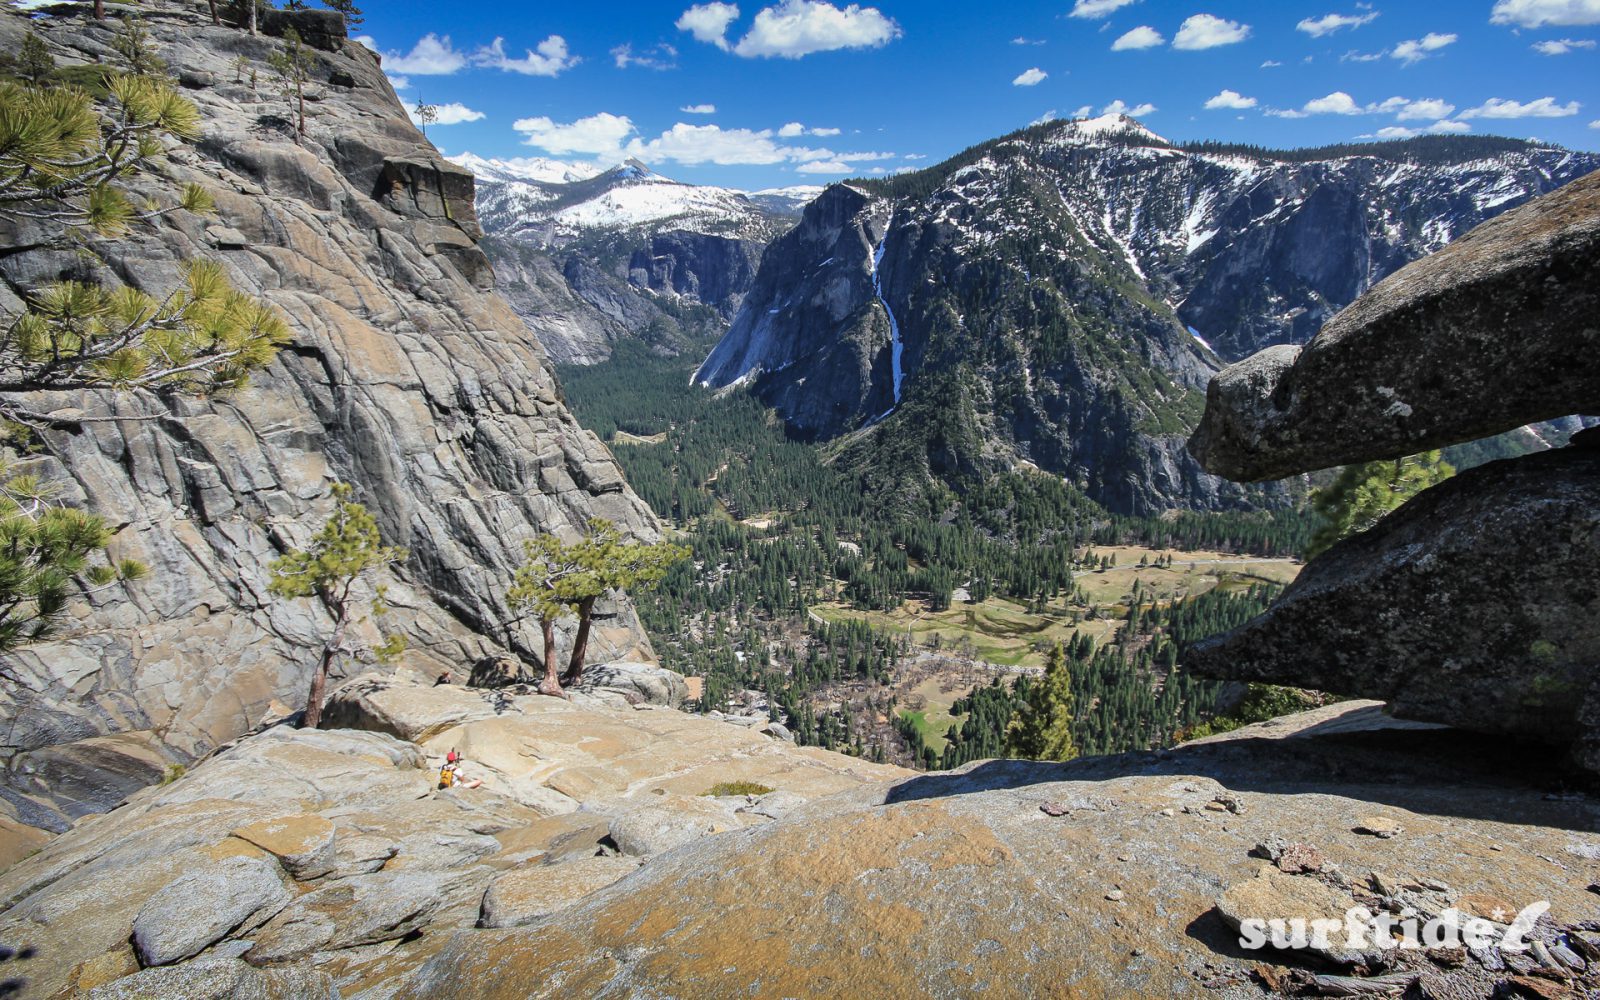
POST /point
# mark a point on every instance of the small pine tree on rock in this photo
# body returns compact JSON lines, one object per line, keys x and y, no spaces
{"x":346,"y":551}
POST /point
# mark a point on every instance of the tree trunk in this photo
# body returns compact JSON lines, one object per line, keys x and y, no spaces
{"x":319,"y":680}
{"x":550,"y":684}
{"x":252,"y":4}
{"x":580,"y":642}
{"x":300,"y":95}
{"x":214,"y":18}
{"x":99,"y":10}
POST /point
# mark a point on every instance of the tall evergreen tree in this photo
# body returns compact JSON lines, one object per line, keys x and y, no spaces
{"x":1042,"y":728}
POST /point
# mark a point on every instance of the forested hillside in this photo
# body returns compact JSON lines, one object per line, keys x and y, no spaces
{"x":796,"y":563}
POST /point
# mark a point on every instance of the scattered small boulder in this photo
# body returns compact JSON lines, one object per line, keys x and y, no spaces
{"x":303,"y":843}
{"x":525,"y":894}
{"x":655,"y":829}
{"x":201,"y":907}
{"x":1382,"y":827}
{"x":1273,"y":895}
{"x":1297,"y":859}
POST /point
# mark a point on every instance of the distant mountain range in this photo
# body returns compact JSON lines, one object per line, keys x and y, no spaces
{"x":1060,"y":296}
{"x":590,"y":256}
{"x":1057,"y":297}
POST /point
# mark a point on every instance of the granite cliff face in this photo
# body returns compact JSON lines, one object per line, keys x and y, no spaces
{"x":407,"y":376}
{"x":1062,"y":290}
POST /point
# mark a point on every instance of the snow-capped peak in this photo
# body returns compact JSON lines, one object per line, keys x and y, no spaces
{"x":538,"y":169}
{"x":1116,"y":124}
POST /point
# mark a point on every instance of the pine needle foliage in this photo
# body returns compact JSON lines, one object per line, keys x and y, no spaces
{"x":1363,"y":494}
{"x":49,"y":553}
{"x":561,"y":578}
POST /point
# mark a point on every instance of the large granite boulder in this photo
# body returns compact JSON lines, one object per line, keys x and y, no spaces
{"x":1477,"y":603}
{"x":1499,"y":329}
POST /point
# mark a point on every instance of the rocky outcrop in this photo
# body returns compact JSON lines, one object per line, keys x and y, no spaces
{"x":1110,"y":876}
{"x":406,"y":377}
{"x":1474,"y":604}
{"x":1497,"y":330}
{"x":1477,"y":603}
{"x":334,"y":850}
{"x":961,"y":884}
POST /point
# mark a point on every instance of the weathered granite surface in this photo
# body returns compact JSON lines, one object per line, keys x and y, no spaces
{"x":872,"y":881}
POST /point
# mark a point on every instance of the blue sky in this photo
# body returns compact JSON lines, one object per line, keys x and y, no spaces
{"x":784,"y":92}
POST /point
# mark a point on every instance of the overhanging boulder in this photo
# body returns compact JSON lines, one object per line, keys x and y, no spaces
{"x":1499,"y":329}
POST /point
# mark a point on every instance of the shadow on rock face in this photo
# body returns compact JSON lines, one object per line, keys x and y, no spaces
{"x":1420,"y":767}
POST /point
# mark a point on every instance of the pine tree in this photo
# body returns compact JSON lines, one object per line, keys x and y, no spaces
{"x":352,"y":13}
{"x":1042,"y":728}
{"x":61,"y":159}
{"x":292,"y":63}
{"x":45,"y":549}
{"x":348,"y":549}
{"x":34,"y":61}
{"x":569,"y":577}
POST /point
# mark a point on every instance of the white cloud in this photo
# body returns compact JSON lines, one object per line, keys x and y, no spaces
{"x":793,"y":129}
{"x":1084,"y":112}
{"x":1045,"y":119}
{"x":399,"y":82}
{"x":1030,"y":77}
{"x":660,"y":57}
{"x":1561,"y":46}
{"x":708,"y":22}
{"x":699,"y":109}
{"x":551,"y":59}
{"x":1354,"y":56}
{"x":598,"y":135}
{"x":1117,"y":107}
{"x":1230,"y":99}
{"x":1271,"y":64}
{"x":1437,"y":128}
{"x":453,"y":113}
{"x":1418,"y":110}
{"x":1019,"y":40}
{"x":1544,"y":107}
{"x":915,"y":156}
{"x":1595,"y":123}
{"x":1204,"y":31}
{"x":796,"y":28}
{"x":1336,"y":103}
{"x":1142,"y":37}
{"x":1327,"y":24}
{"x":368,"y":41}
{"x":610,"y":138}
{"x":1098,"y":8}
{"x":825,"y":167}
{"x":431,"y":56}
{"x":1538,"y":13}
{"x":1418,"y":48}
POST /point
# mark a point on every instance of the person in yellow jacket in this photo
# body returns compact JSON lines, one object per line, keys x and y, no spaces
{"x":451,"y":775}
